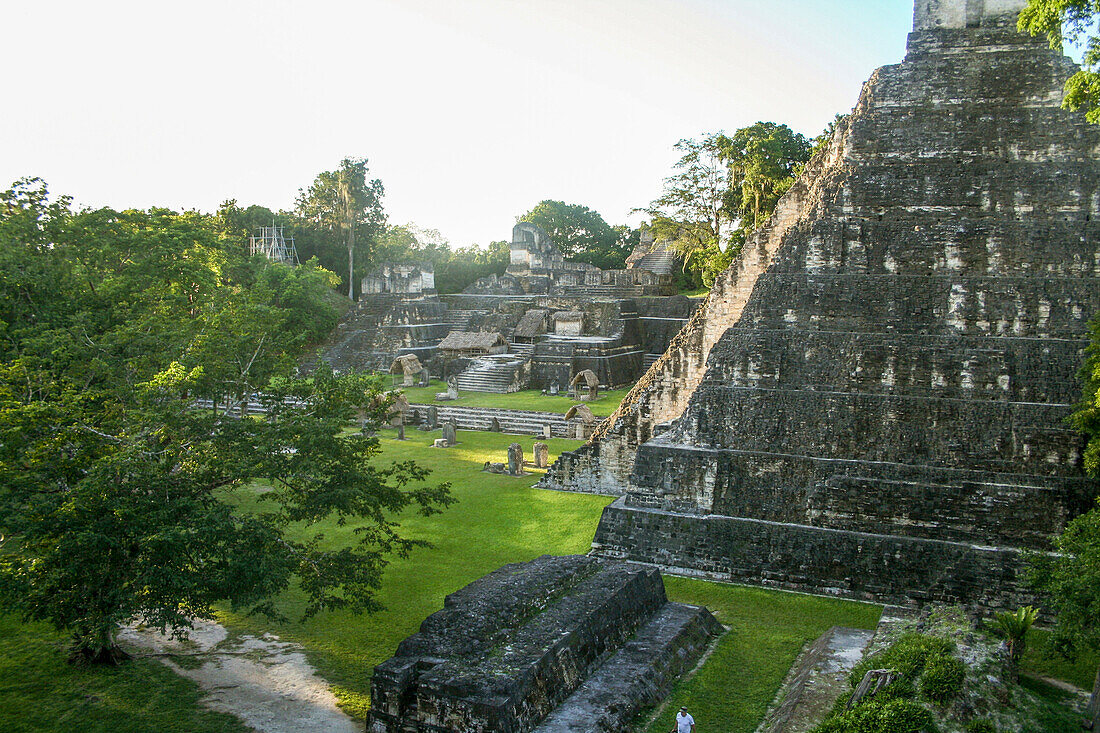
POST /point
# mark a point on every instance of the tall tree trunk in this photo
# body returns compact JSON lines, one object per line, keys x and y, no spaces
{"x":351,"y":261}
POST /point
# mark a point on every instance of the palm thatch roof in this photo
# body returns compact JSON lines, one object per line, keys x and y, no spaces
{"x":532,"y":324}
{"x":407,"y":364}
{"x":462,"y":341}
{"x":584,"y":412}
{"x":569,"y":316}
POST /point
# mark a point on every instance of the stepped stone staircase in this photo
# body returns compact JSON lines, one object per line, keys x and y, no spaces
{"x":491,"y":375}
{"x":661,"y":262}
{"x":555,"y":645}
{"x":516,"y":422}
{"x":459,"y":320}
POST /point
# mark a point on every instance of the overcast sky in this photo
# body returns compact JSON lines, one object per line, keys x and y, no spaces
{"x":470,"y":111}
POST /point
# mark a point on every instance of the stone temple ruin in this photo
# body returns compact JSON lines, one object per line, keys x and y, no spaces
{"x":872,"y":401}
{"x":556,"y":644}
{"x":541,"y":323}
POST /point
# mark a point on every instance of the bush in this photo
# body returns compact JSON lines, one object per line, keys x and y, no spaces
{"x":942,"y":679}
{"x":904,"y":716}
{"x":899,"y":690}
{"x":895,"y":716}
{"x":981,"y":725}
{"x":907,"y":655}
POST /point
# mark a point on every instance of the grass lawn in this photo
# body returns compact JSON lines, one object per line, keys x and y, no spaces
{"x":768,"y":628}
{"x":40,"y":691}
{"x":528,"y":399}
{"x":497,"y":520}
{"x":1039,"y":659}
{"x":500,"y":519}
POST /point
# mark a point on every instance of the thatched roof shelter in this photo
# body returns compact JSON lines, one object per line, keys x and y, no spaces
{"x":460,"y":342}
{"x":584,"y":412}
{"x":532,"y":324}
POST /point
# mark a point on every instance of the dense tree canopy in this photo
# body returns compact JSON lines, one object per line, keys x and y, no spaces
{"x":723,"y":189}
{"x":1074,"y":22}
{"x":582,"y":234}
{"x":344,"y":202}
{"x":455,"y":269}
{"x":115,"y":491}
{"x":763,"y":160}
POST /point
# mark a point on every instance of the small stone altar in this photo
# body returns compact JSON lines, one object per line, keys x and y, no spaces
{"x":541,"y":646}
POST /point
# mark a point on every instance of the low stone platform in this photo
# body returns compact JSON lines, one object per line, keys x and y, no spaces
{"x":508,"y":649}
{"x":639,"y":675}
{"x":908,"y":571}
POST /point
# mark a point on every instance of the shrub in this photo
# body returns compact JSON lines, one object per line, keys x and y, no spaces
{"x":904,"y":716}
{"x":895,"y":716}
{"x":907,"y":655}
{"x":900,"y":690}
{"x":942,"y":679}
{"x":981,"y":725}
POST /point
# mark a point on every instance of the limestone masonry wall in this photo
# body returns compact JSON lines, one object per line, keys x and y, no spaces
{"x":875,"y":394}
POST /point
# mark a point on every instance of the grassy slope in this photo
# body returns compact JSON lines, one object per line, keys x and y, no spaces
{"x":529,"y":399}
{"x":39,"y":691}
{"x":1038,"y":659}
{"x":500,"y":520}
{"x":767,"y":630}
{"x":497,"y":520}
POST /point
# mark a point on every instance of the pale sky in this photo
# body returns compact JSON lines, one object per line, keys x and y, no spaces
{"x":470,"y":111}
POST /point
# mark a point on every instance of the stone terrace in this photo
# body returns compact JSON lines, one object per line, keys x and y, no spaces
{"x":510,"y":648}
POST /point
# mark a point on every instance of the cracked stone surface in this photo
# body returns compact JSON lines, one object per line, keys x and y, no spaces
{"x":265,"y":682}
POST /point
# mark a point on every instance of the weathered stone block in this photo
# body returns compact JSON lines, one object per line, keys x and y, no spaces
{"x":541,"y":455}
{"x":515,"y":459}
{"x":508,"y":648}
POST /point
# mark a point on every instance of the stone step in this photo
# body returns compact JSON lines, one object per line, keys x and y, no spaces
{"x":516,"y":422}
{"x":639,"y":675}
{"x":661,"y":262}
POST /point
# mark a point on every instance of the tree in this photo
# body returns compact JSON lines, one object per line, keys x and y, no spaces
{"x":692,"y":213}
{"x":581,"y":234}
{"x":763,"y":160}
{"x":1070,"y":578}
{"x":344,"y":202}
{"x":116,"y":493}
{"x":725,"y":188}
{"x":1063,"y":21}
{"x":1013,"y":626}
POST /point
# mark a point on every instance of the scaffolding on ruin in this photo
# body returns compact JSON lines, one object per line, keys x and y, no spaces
{"x":271,"y":243}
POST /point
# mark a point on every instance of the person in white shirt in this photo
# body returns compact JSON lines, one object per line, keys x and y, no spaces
{"x":684,"y":722}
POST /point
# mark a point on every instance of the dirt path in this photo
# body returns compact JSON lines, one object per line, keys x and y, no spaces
{"x":265,"y":682}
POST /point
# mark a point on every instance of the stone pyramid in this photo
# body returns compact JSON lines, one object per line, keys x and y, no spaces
{"x":872,"y":402}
